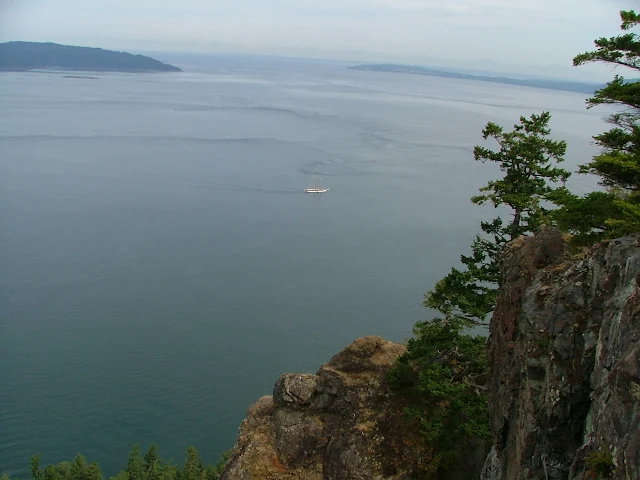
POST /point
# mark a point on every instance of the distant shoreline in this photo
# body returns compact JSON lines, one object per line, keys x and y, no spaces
{"x":89,"y":70}
{"x":81,"y":76}
{"x":561,"y":85}
{"x":30,"y":56}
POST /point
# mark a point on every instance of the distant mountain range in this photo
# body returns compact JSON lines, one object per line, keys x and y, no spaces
{"x":23,"y":56}
{"x":587,"y":88}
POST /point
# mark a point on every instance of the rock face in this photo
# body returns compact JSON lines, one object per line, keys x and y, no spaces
{"x":564,"y":386}
{"x":565,"y":362}
{"x":339,"y":424}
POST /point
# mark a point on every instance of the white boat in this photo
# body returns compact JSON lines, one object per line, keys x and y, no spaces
{"x":315,"y":189}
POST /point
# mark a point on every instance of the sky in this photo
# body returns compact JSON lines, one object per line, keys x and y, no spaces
{"x":520,"y":36}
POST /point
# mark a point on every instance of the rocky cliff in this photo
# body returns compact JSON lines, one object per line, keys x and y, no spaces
{"x":341,"y":423}
{"x":564,"y":389}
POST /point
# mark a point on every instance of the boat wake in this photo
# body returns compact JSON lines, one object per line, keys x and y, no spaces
{"x":244,"y":188}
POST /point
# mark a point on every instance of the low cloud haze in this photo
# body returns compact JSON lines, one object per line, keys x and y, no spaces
{"x":528,"y":36}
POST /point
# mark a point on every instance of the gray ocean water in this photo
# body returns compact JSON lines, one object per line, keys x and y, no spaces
{"x":161,"y":265}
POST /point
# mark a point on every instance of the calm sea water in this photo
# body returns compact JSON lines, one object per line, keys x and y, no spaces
{"x":161,"y":267}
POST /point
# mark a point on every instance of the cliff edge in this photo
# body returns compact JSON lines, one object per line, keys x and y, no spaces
{"x":341,"y":423}
{"x":564,"y":354}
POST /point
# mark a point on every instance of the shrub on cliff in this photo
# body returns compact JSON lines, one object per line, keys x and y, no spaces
{"x":442,"y":376}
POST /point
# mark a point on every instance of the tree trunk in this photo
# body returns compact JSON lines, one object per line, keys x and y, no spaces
{"x":515,"y":224}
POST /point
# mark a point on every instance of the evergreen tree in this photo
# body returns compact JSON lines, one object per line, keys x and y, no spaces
{"x":619,"y":163}
{"x":171,"y":472}
{"x":151,"y":457}
{"x":53,"y":472}
{"x":93,"y":472}
{"x":123,"y":475}
{"x":34,"y":466}
{"x":135,"y":467}
{"x":151,"y":467}
{"x":79,"y":468}
{"x":443,"y":370}
{"x":152,"y":463}
{"x":214,"y":471}
{"x":528,"y":157}
{"x":585,"y":218}
{"x":193,"y":469}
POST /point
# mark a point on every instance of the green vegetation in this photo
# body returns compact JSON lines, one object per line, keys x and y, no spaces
{"x":442,"y":375}
{"x":148,"y":467}
{"x":599,"y":464}
{"x":616,"y":212}
{"x":528,"y":158}
{"x":443,"y":371}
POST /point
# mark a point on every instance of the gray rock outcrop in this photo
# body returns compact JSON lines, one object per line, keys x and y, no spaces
{"x":564,"y":351}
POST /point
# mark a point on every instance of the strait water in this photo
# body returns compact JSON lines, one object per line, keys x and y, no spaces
{"x":161,"y":267}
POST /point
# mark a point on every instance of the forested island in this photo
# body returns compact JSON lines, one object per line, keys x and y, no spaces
{"x":21,"y":56}
{"x":539,"y":83}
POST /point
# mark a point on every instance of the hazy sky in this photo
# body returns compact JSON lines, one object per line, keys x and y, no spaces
{"x":522,"y":35}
